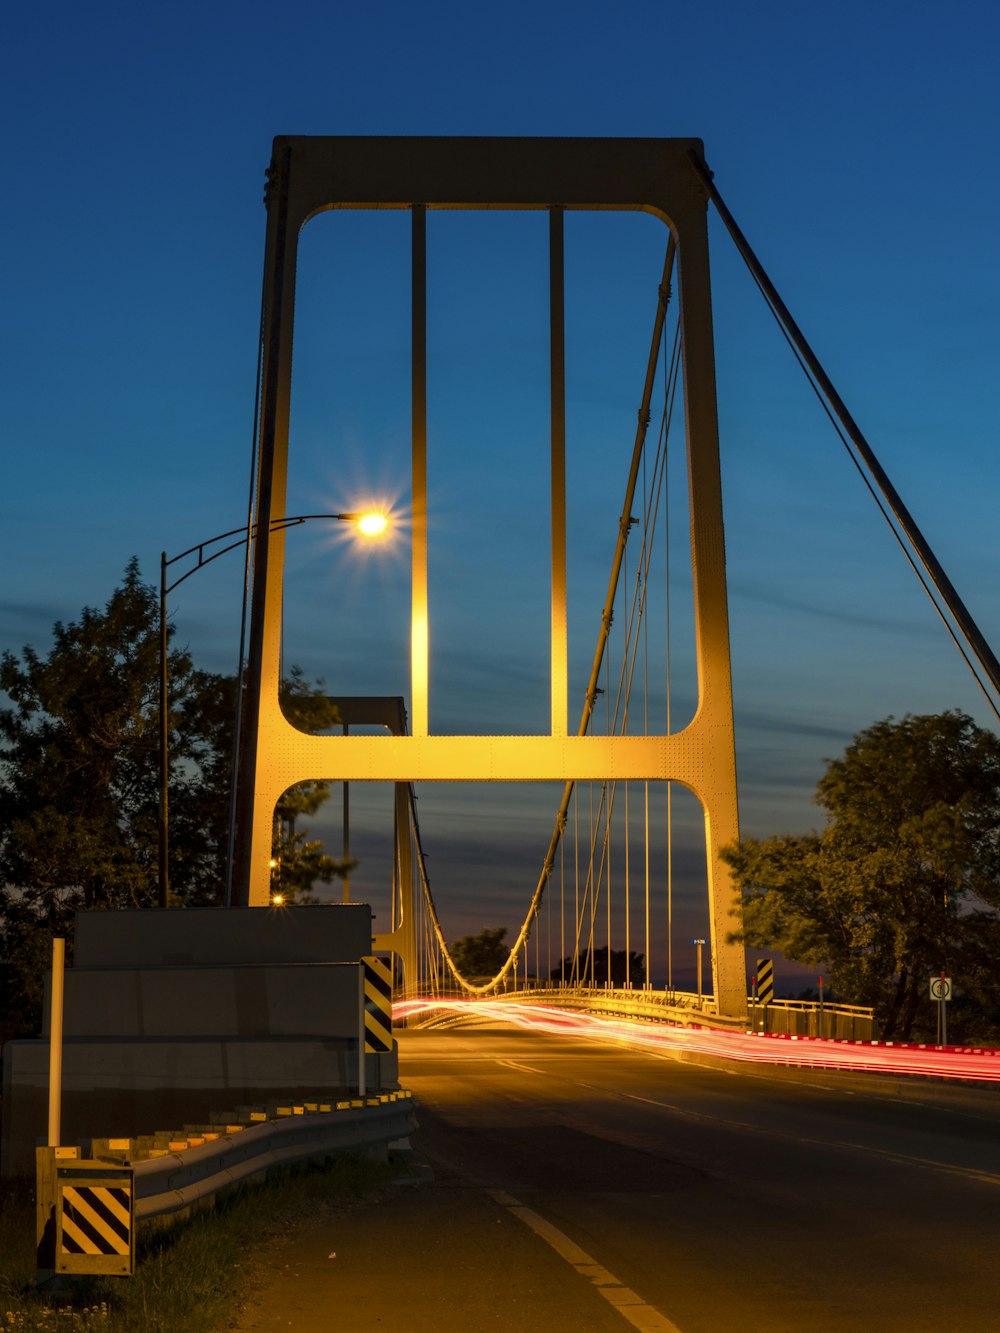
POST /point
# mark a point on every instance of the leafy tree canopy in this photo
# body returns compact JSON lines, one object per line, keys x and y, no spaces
{"x":904,"y":880}
{"x":300,"y":862}
{"x":78,"y":763}
{"x":79,"y":779}
{"x":591,"y":967}
{"x":481,"y":955}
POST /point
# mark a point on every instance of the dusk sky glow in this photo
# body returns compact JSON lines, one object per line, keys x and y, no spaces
{"x":855,"y":146}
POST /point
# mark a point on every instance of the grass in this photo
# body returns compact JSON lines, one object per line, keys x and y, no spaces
{"x":189,"y":1276}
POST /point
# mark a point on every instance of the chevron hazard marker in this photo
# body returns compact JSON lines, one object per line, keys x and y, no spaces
{"x":378,"y":1005}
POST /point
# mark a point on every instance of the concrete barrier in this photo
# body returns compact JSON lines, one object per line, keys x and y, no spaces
{"x":172,"y":1014}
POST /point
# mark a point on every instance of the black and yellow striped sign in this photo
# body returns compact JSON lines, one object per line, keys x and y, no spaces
{"x":96,"y":1219}
{"x":378,"y":1004}
{"x":765,"y":981}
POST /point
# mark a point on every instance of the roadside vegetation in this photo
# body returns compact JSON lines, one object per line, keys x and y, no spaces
{"x":903,"y":882}
{"x":191,"y":1276}
{"x":79,"y":785}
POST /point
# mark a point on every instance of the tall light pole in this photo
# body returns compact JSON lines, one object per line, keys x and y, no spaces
{"x":370,"y":524}
{"x":699,"y":943}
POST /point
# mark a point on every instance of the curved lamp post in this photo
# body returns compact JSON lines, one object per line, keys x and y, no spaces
{"x":371,"y":524}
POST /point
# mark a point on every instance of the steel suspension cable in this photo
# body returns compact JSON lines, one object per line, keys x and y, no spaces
{"x":636,"y":615}
{"x":624,"y":527}
{"x":669,"y":718}
{"x":247,"y":576}
{"x":663,"y":299}
{"x":645,"y":732}
{"x":823,"y":387}
{"x":869,"y":486}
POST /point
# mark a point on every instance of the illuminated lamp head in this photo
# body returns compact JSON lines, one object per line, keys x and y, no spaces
{"x":372,"y":524}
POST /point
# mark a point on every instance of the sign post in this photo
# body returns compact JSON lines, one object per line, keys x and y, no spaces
{"x":941,"y":991}
{"x":822,"y":1016}
{"x":56,"y":1038}
{"x":361,"y":1031}
{"x":699,"y":944}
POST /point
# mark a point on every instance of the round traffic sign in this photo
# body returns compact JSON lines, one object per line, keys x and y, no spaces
{"x":941,"y":988}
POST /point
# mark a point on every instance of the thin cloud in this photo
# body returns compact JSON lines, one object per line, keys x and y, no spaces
{"x":751,"y":721}
{"x":745,"y":592}
{"x":32,"y":619}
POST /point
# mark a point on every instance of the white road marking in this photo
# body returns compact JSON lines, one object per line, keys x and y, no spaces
{"x":628,"y":1303}
{"x":527,"y":1069}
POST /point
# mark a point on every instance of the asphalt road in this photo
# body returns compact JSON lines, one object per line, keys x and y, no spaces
{"x":579,"y":1186}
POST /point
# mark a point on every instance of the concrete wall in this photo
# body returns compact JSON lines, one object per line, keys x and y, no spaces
{"x":173,"y":1016}
{"x":339,"y":933}
{"x":243,"y":1000}
{"x":123,"y":1089}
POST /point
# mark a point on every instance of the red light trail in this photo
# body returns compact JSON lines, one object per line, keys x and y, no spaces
{"x":957,"y":1062}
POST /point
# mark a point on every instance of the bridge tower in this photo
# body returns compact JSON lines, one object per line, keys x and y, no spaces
{"x":311,"y":174}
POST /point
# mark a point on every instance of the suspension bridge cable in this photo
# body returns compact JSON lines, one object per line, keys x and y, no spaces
{"x":866,"y":481}
{"x":663,"y":299}
{"x":632,"y":637}
{"x":638,"y":614}
{"x":247,"y":574}
{"x":956,"y":607}
{"x":667,"y":610}
{"x":645,"y":732}
{"x":919,"y":574}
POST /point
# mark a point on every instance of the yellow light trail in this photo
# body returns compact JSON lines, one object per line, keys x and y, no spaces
{"x":980,"y":1063}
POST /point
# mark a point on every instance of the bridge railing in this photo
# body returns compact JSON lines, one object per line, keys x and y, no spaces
{"x":803,"y":1018}
{"x":656,"y":1006}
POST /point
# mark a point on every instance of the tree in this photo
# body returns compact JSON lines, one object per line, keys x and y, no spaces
{"x":481,"y":955}
{"x":201,"y":761}
{"x":199,"y":811}
{"x":79,"y":778}
{"x":904,"y":880}
{"x":591,"y":968}
{"x":78,"y":781}
{"x":298,"y":861}
{"x":78,"y":788}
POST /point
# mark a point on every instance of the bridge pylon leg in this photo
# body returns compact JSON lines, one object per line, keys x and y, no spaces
{"x":402,"y":938}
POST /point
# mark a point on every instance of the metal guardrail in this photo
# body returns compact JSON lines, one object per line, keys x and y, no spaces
{"x":88,"y":1209}
{"x":165,"y":1185}
{"x":193,"y":1168}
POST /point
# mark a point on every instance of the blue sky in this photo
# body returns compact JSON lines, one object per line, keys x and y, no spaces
{"x":856,"y":146}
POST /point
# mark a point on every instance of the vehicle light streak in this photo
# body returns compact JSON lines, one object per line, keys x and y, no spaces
{"x":959,"y":1062}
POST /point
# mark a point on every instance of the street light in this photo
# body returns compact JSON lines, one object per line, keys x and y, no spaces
{"x":699,"y":944}
{"x":370,"y":523}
